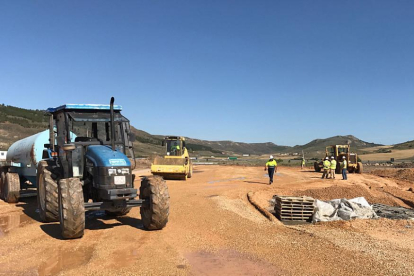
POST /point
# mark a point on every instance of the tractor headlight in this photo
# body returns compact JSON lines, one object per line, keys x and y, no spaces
{"x":111,"y":171}
{"x":125,"y":171}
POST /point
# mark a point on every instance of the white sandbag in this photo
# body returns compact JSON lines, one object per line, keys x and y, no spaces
{"x":361,"y":201}
{"x":343,"y":209}
{"x":363,"y":212}
{"x":323,"y":211}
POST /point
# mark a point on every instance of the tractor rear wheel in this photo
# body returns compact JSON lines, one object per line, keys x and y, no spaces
{"x":11,"y":188}
{"x":360,"y":168}
{"x":47,"y":193}
{"x":316,"y":167}
{"x":71,"y":208}
{"x":156,"y":209}
{"x":2,"y":181}
{"x":117,"y":213}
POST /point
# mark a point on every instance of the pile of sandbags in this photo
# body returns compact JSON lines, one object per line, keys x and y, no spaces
{"x":343,"y":209}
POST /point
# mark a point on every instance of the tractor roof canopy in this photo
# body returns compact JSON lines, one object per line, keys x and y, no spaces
{"x":90,"y":107}
{"x":93,"y":117}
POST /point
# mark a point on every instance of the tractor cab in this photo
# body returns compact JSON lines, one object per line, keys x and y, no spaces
{"x":94,"y":132}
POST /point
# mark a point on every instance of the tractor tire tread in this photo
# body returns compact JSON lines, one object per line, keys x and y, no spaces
{"x":2,"y":182}
{"x":71,"y":208}
{"x":155,"y":214}
{"x":51,"y":211}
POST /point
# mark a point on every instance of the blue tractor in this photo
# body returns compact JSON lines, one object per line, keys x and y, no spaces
{"x":93,"y":171}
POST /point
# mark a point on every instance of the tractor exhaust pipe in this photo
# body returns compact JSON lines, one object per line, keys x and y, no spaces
{"x":112,"y":123}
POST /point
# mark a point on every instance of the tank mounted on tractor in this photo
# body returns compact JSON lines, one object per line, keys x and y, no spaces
{"x":86,"y":166}
{"x":18,"y":171}
{"x":176,"y":164}
{"x":338,"y":151}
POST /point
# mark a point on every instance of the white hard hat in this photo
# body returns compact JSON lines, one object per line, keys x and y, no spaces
{"x":271,"y":157}
{"x":326,"y":158}
{"x":332,"y":157}
{"x":343,"y":157}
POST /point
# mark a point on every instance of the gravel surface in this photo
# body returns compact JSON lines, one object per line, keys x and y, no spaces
{"x":213,"y":230}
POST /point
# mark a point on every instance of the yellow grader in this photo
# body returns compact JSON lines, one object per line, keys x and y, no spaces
{"x":176,"y":164}
{"x":338,"y":151}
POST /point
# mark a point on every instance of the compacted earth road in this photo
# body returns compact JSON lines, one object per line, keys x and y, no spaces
{"x":214,"y":230}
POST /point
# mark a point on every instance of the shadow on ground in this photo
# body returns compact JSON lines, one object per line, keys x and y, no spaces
{"x":256,"y":182}
{"x":95,"y":220}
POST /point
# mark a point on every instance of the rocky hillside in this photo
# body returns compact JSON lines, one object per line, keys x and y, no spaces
{"x":318,"y":145}
{"x":17,"y":123}
{"x":403,"y":146}
{"x":239,"y":147}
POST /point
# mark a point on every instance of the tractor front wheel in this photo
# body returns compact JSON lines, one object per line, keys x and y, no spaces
{"x":71,"y":208}
{"x":360,"y":167}
{"x":156,"y":209}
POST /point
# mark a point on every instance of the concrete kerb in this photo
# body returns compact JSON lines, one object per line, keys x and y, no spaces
{"x":263,"y":211}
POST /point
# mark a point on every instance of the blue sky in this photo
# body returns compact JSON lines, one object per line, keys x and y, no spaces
{"x":253,"y":71}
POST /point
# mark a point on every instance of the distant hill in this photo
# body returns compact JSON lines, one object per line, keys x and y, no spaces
{"x":239,"y":147}
{"x":318,"y":145}
{"x":403,"y":146}
{"x":17,"y":123}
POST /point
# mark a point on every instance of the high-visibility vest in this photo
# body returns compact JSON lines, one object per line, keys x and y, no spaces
{"x":326,"y":164}
{"x":303,"y":162}
{"x":344,"y":165}
{"x":333,"y":164}
{"x":271,"y":164}
{"x":175,"y":147}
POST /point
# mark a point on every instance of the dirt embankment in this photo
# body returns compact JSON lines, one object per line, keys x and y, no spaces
{"x":398,"y":174}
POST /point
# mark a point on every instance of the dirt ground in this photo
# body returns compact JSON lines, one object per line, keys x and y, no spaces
{"x":214,"y":230}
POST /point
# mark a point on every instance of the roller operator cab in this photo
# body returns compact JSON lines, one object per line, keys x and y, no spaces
{"x":94,"y":172}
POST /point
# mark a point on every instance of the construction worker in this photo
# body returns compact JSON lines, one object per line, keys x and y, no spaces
{"x":333,"y":167}
{"x":303,"y":163}
{"x":271,"y":167}
{"x":344,"y":167}
{"x":326,"y":167}
{"x":175,"y":148}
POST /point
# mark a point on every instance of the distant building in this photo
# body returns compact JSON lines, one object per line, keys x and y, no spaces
{"x":3,"y":155}
{"x":246,"y":154}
